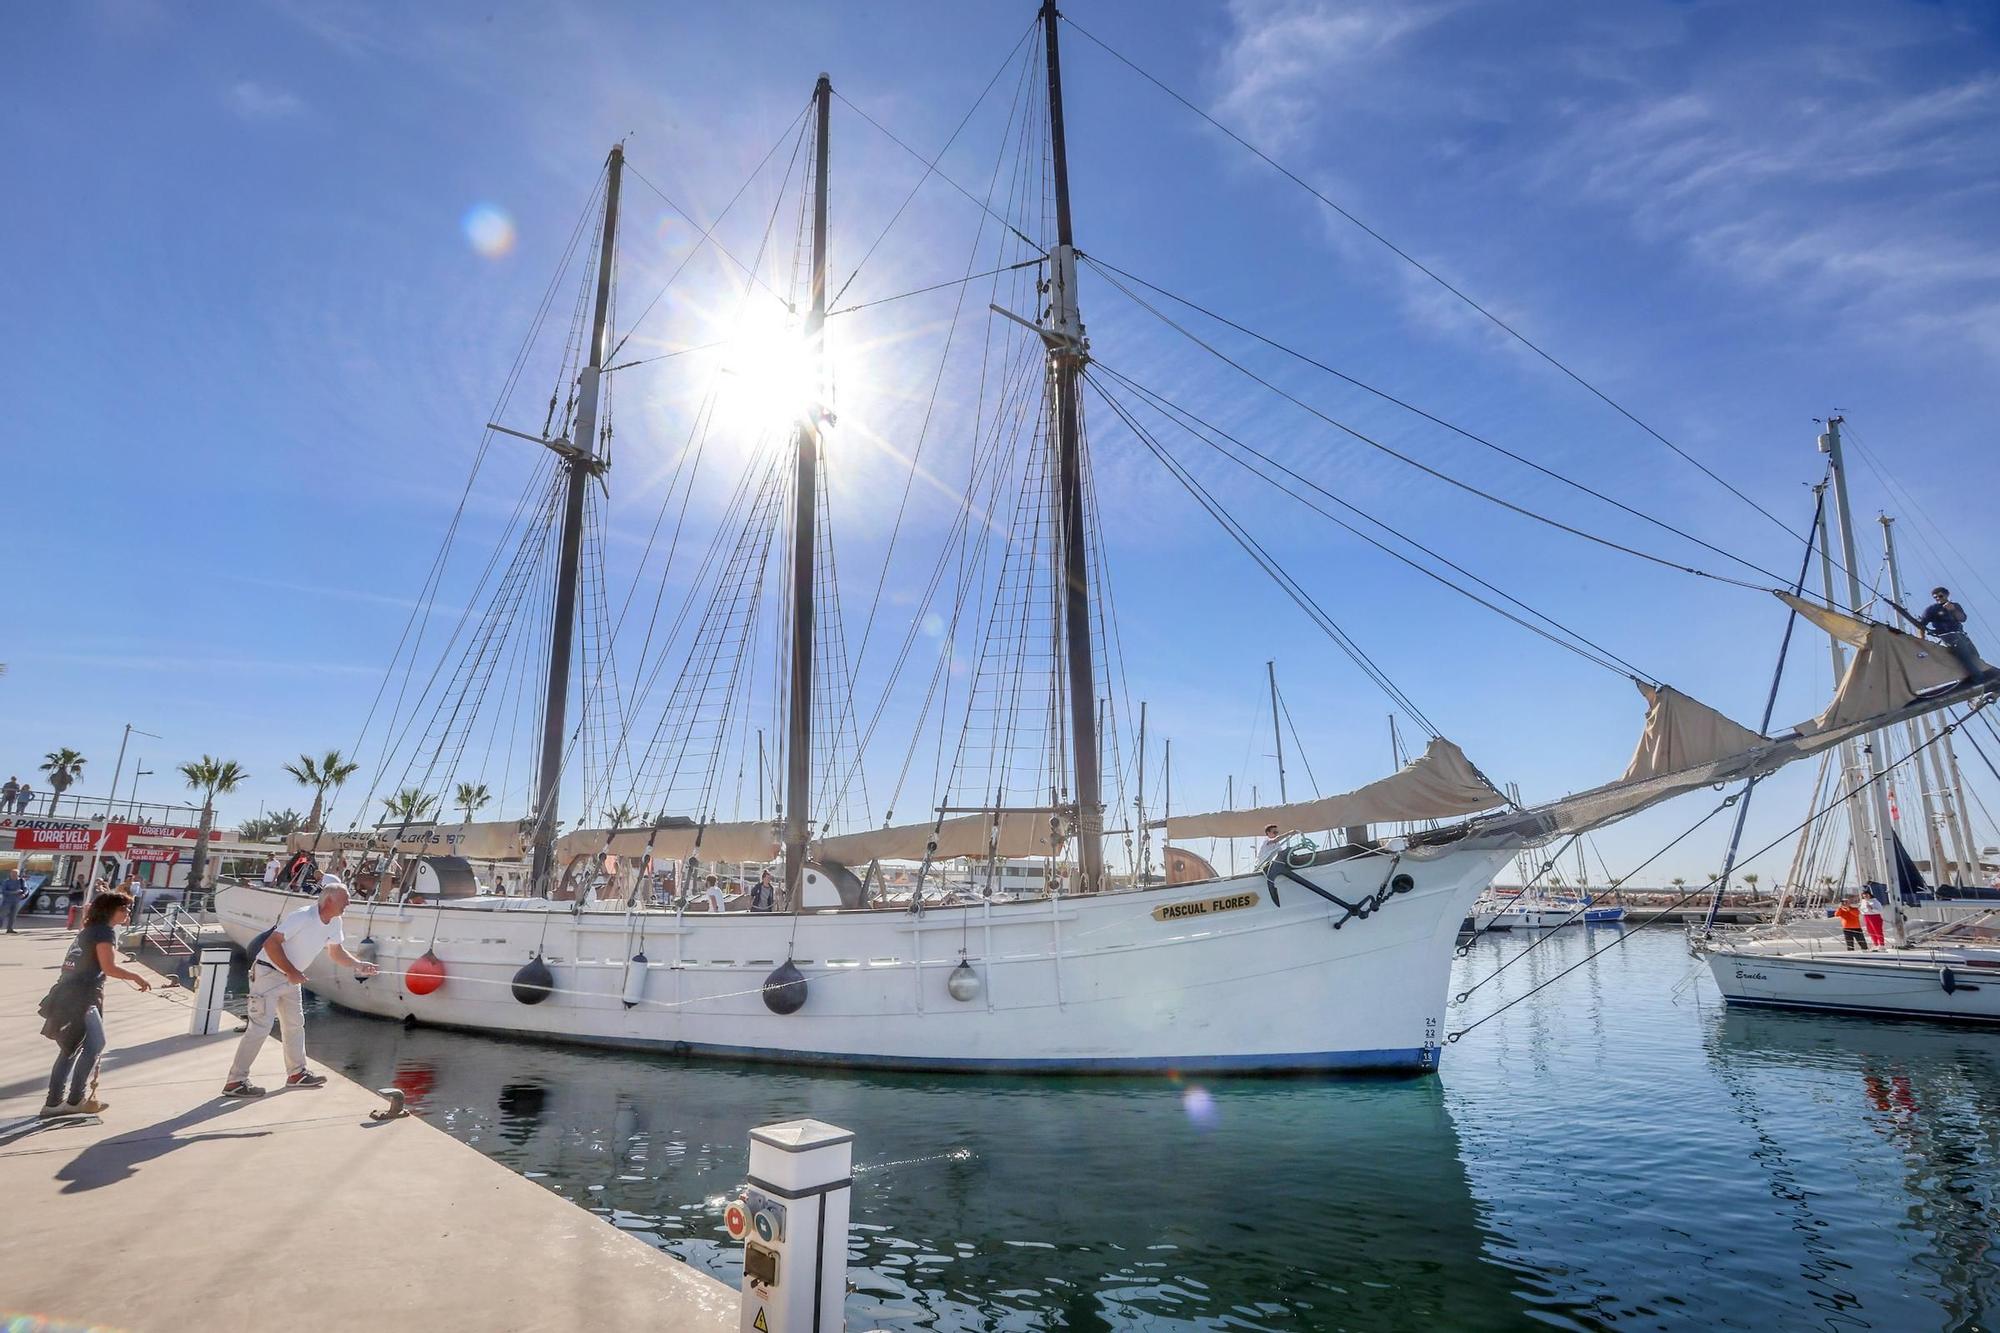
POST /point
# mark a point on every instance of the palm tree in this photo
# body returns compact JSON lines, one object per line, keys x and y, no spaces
{"x":409,"y":806}
{"x":271,"y":827}
{"x":64,"y":767}
{"x":211,"y":777}
{"x":471,"y":796}
{"x":622,"y":816}
{"x":1679,"y":880}
{"x":1750,"y":878}
{"x":329,"y":770}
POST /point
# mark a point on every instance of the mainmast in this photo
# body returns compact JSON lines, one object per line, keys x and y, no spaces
{"x":805,"y":438}
{"x":580,"y":461}
{"x":1066,"y":359}
{"x":1875,"y":746}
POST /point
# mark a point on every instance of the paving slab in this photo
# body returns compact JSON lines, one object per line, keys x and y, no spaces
{"x":178,"y":1210}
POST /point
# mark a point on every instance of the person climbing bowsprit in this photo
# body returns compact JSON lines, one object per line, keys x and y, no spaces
{"x":1944,"y":621}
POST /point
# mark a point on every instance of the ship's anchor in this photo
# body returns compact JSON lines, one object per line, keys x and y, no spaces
{"x":1392,"y":884}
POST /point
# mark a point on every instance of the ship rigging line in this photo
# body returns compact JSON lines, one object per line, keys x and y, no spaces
{"x":1836,"y":803}
{"x":708,"y":232}
{"x":930,"y":167}
{"x":934,"y":287}
{"x":1265,"y":561}
{"x":1430,"y":273}
{"x":1445,"y":477}
{"x":1591,"y":651}
{"x":1106,"y":269}
{"x":1025,"y":239}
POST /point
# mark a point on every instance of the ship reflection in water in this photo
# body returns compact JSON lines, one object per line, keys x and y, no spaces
{"x":1003,"y":1203}
{"x":1615,"y":1152}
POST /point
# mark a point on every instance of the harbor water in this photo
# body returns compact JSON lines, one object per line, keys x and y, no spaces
{"x":1613,"y":1151}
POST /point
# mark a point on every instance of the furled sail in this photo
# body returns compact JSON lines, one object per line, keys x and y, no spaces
{"x":1019,"y":833}
{"x":751,"y":840}
{"x":484,"y":840}
{"x":1682,"y":732}
{"x":1892,"y":678}
{"x":1439,"y":783}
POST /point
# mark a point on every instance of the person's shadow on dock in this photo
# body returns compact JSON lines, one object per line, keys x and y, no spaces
{"x":109,"y":1161}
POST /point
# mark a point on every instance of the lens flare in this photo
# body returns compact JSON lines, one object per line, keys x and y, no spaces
{"x":1199,"y":1107}
{"x":489,"y":229}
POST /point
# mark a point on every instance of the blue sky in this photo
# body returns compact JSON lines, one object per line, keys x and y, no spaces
{"x":251,"y":346}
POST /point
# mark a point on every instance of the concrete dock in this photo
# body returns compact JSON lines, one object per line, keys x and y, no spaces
{"x":177,"y":1210}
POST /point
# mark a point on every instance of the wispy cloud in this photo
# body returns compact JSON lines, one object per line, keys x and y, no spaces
{"x":252,"y":100}
{"x":205,"y":665}
{"x":1284,"y":55}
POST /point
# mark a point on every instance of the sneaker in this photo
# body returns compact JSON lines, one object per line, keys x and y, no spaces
{"x":54,"y":1109}
{"x":242,"y":1090}
{"x":306,"y":1079}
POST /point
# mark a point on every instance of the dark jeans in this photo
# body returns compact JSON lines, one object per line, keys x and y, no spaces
{"x":77,"y":1060}
{"x":10,"y":907}
{"x":1960,"y":646}
{"x":1855,"y":939}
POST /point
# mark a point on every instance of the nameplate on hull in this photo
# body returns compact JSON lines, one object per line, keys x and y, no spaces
{"x":1205,"y":906}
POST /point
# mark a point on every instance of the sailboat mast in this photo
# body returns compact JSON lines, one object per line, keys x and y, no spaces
{"x":1915,"y":731}
{"x":1277,"y":731}
{"x":580,"y":462}
{"x":1875,"y":747}
{"x":1066,"y":358}
{"x":798,"y":740}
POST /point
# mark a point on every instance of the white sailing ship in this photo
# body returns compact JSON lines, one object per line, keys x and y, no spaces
{"x":1332,"y":957}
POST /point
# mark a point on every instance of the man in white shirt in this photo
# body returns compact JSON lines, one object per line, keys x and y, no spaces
{"x":277,"y":975}
{"x":1270,"y":846}
{"x":713,"y":892}
{"x":272,"y":867}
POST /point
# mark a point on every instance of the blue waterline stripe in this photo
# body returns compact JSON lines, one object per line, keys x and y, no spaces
{"x":1405,"y":1060}
{"x":1870,"y":1011}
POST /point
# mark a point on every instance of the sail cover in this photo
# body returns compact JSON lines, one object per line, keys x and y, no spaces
{"x":1015,"y":833}
{"x":1439,"y":783}
{"x":1890,"y":668}
{"x":1682,"y":732}
{"x":485,"y":840}
{"x":753,"y":840}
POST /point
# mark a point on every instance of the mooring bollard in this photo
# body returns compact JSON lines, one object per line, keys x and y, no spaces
{"x":211,"y":982}
{"x":792,"y":1220}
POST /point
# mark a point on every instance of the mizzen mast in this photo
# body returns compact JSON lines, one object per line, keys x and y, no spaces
{"x":806,"y":438}
{"x":581,"y":462}
{"x":1067,"y":354}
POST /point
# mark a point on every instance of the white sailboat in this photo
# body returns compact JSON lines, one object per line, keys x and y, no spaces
{"x":1335,"y":957}
{"x":1938,"y":961}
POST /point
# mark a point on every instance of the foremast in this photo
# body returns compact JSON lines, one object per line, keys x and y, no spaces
{"x":580,"y":462}
{"x":806,"y":441}
{"x":1067,"y":355}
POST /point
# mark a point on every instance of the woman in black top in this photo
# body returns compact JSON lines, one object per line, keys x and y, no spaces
{"x":75,"y":1007}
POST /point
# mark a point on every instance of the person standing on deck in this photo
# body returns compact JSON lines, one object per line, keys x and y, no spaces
{"x":277,"y":979}
{"x":23,"y":798}
{"x":74,"y":1009}
{"x":1849,"y":914}
{"x":1871,"y":921}
{"x":272,"y":865}
{"x":7,"y":795}
{"x":712,"y":892}
{"x":763,"y":894}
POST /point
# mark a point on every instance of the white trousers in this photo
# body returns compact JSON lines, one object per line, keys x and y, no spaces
{"x":272,"y":998}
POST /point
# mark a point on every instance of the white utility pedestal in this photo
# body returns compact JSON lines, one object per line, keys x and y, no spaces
{"x":211,"y":984}
{"x":792,"y":1220}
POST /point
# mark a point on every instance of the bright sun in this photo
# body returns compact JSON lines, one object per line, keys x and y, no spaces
{"x":768,"y":378}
